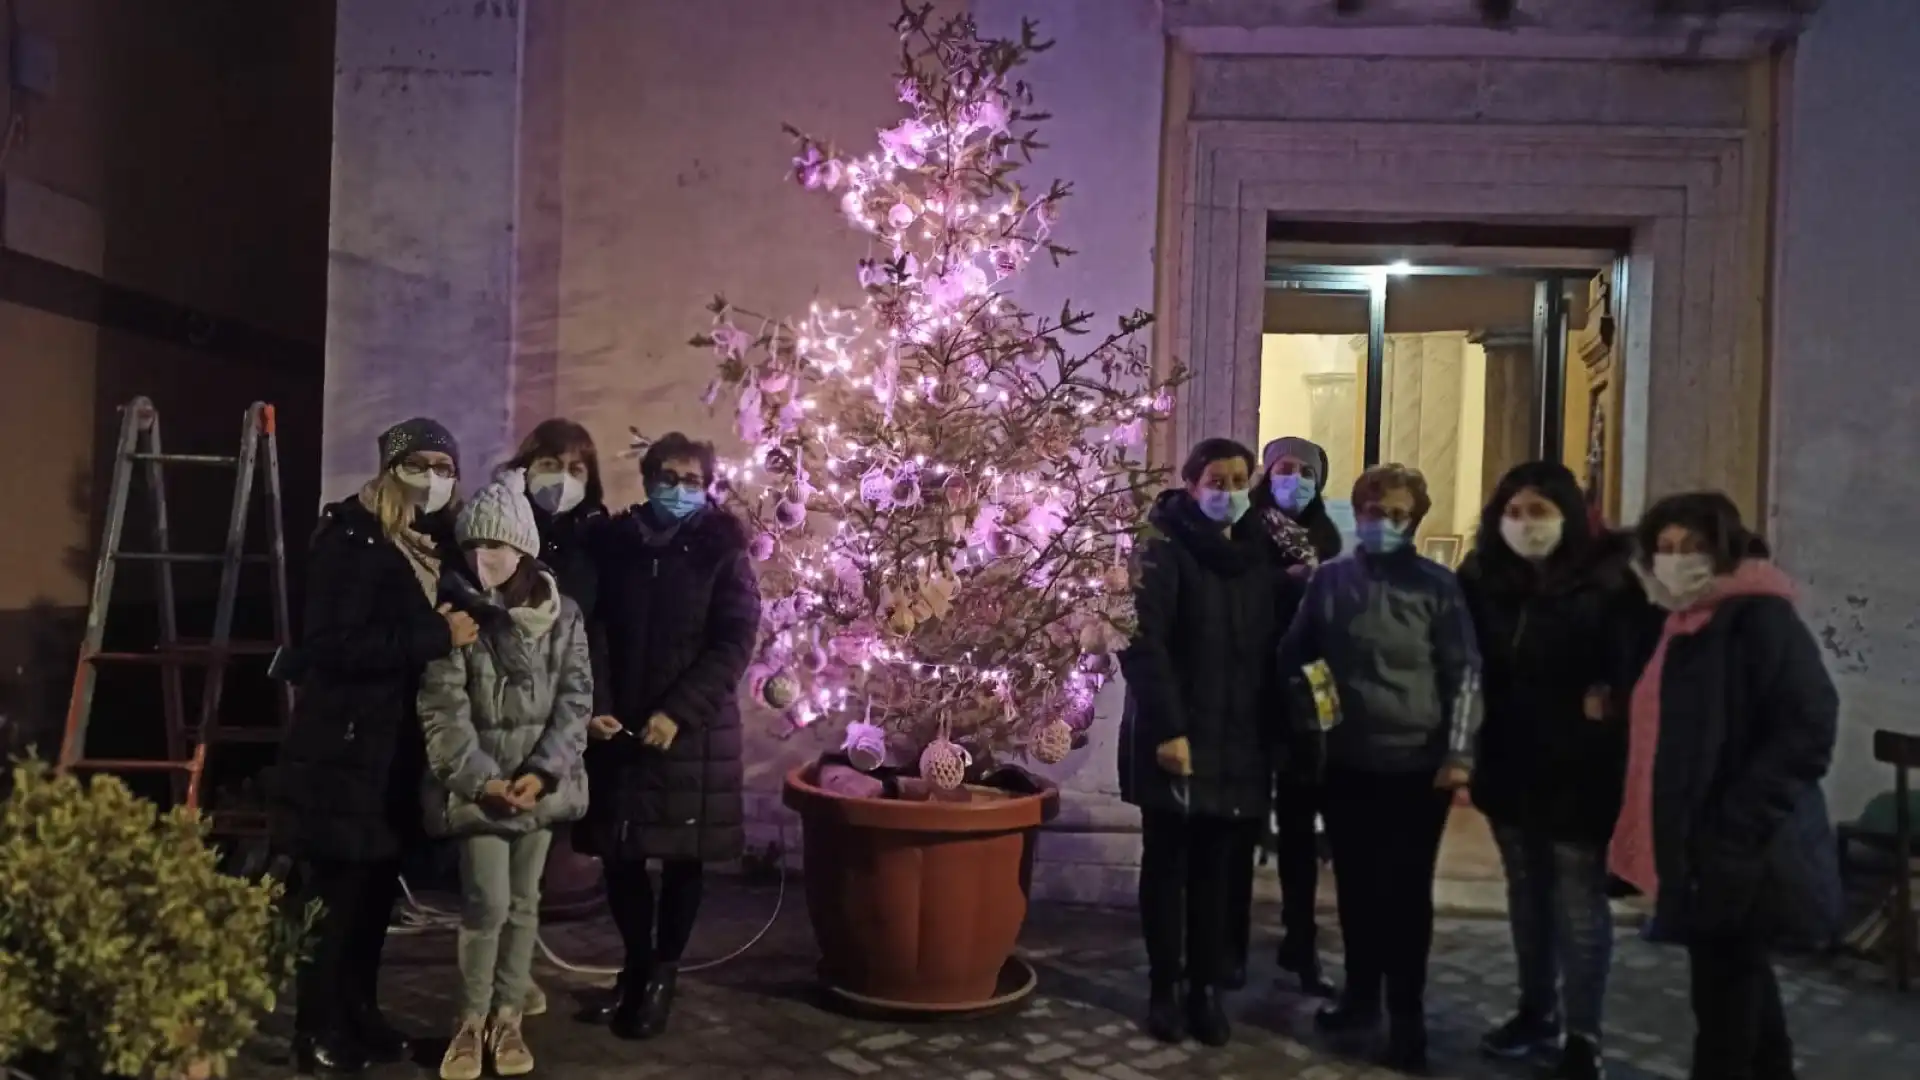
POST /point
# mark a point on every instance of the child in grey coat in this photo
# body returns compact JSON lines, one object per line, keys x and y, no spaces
{"x":506,"y":731}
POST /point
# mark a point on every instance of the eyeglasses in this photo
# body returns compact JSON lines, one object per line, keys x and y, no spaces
{"x":1400,"y":518}
{"x":670,"y":478}
{"x":445,"y":470}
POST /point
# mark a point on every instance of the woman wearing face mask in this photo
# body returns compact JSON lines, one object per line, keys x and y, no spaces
{"x":1193,"y":741}
{"x":1394,"y":633}
{"x":347,"y":799}
{"x":680,"y":611}
{"x":1549,"y":599}
{"x":1731,"y":729}
{"x":506,"y":727}
{"x":1287,"y":503}
{"x":563,"y":484}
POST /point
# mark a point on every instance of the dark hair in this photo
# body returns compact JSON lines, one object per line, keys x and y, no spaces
{"x":1373,"y":485}
{"x":1709,"y":515}
{"x":675,"y":445}
{"x":1556,"y":483}
{"x":556,"y":438}
{"x":1207,"y":451}
{"x":1313,"y":517}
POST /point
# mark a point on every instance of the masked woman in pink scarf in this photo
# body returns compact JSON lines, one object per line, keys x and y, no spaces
{"x":1723,"y":823}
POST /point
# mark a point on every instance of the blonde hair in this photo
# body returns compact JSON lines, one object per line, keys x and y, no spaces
{"x":392,"y":501}
{"x":1374,"y":484}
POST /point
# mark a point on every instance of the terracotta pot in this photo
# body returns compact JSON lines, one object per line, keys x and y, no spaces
{"x":917,"y":904}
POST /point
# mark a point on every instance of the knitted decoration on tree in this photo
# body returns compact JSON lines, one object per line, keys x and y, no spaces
{"x":866,"y":746}
{"x":781,"y":691}
{"x":944,"y":764}
{"x":1053,"y":743}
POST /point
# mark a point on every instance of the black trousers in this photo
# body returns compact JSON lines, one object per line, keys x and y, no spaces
{"x":1740,"y":1028}
{"x":1385,"y":830}
{"x":341,"y":974}
{"x":1296,"y":812}
{"x":655,"y":928}
{"x":1190,"y":869}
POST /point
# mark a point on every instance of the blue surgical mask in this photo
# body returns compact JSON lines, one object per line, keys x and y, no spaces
{"x":1382,"y":537}
{"x":676,"y":501}
{"x":1225,"y":507}
{"x":1293,"y":493}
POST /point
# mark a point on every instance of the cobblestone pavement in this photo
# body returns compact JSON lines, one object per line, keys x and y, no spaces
{"x":760,"y":1017}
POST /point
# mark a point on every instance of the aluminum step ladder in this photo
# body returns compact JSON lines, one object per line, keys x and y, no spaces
{"x":139,"y":451}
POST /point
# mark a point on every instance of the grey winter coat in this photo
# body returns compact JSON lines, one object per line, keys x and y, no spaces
{"x":1395,"y":632}
{"x":513,"y":703}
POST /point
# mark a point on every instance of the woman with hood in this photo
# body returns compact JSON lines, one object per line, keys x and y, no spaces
{"x":1193,"y":740}
{"x":1288,"y":504}
{"x":505,"y":720}
{"x":1550,"y":598}
{"x":347,"y":800}
{"x":680,"y":613}
{"x":1392,"y":630}
{"x":1723,"y":824}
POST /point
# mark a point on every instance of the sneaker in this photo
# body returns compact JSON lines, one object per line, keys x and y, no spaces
{"x":511,"y":1057}
{"x":536,"y":1001}
{"x":466,"y":1054}
{"x":1521,"y":1037}
{"x":1580,"y":1060}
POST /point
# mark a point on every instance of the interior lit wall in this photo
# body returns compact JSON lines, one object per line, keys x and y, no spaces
{"x":1313,"y":385}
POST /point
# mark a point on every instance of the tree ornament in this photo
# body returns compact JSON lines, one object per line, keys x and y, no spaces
{"x":1053,"y":743}
{"x":944,"y":764}
{"x":781,"y":691}
{"x":865,"y":746}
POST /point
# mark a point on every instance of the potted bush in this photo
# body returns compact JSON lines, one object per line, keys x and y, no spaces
{"x":942,"y":491}
{"x":123,"y":949}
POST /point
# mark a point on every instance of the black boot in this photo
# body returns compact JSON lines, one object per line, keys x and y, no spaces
{"x":384,"y":1043}
{"x":1407,"y":1044}
{"x":328,"y":1055}
{"x":1299,"y":957}
{"x":602,"y":1010}
{"x":1207,"y":1016}
{"x":644,"y":1015}
{"x":1580,"y":1060}
{"x":1167,"y":1012}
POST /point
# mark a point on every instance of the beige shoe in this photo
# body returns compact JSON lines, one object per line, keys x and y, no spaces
{"x":509,"y":1047}
{"x":536,"y":1001}
{"x":466,"y":1054}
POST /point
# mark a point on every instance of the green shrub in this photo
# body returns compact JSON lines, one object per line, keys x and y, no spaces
{"x":124,"y":950}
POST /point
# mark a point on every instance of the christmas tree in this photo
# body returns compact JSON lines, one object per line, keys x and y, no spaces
{"x":942,"y":488}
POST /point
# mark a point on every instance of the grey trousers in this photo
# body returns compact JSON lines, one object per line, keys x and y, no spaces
{"x":499,"y":918}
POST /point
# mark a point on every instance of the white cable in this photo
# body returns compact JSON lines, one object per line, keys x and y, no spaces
{"x":420,"y":918}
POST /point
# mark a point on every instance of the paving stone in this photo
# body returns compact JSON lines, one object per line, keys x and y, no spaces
{"x":760,"y":1017}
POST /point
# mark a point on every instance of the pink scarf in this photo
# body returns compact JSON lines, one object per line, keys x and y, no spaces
{"x":1631,"y":857}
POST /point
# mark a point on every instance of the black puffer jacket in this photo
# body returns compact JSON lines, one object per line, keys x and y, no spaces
{"x":1748,"y":718}
{"x":1201,"y":663}
{"x":679,"y":611}
{"x":348,"y":785}
{"x":566,"y":547}
{"x":1546,"y":638}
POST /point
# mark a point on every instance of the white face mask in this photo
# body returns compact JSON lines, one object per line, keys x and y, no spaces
{"x":494,"y":565}
{"x":1532,"y":538}
{"x":1685,"y":577}
{"x":555,"y":492}
{"x":433,"y":492}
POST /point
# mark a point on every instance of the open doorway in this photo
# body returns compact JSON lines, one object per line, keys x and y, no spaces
{"x":1460,"y":363}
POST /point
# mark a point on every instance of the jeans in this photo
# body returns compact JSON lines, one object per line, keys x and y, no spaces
{"x":1740,"y":1028}
{"x":1385,"y":831}
{"x":499,"y":918}
{"x":1562,"y":926}
{"x":341,"y":972}
{"x":655,"y":930}
{"x":1189,"y":881}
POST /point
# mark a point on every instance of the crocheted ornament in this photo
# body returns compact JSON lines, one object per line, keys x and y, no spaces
{"x":781,"y":691}
{"x":944,"y":764}
{"x":866,"y":746}
{"x":1053,"y":743}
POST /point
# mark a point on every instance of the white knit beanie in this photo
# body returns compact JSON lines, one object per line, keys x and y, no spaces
{"x":500,"y":512}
